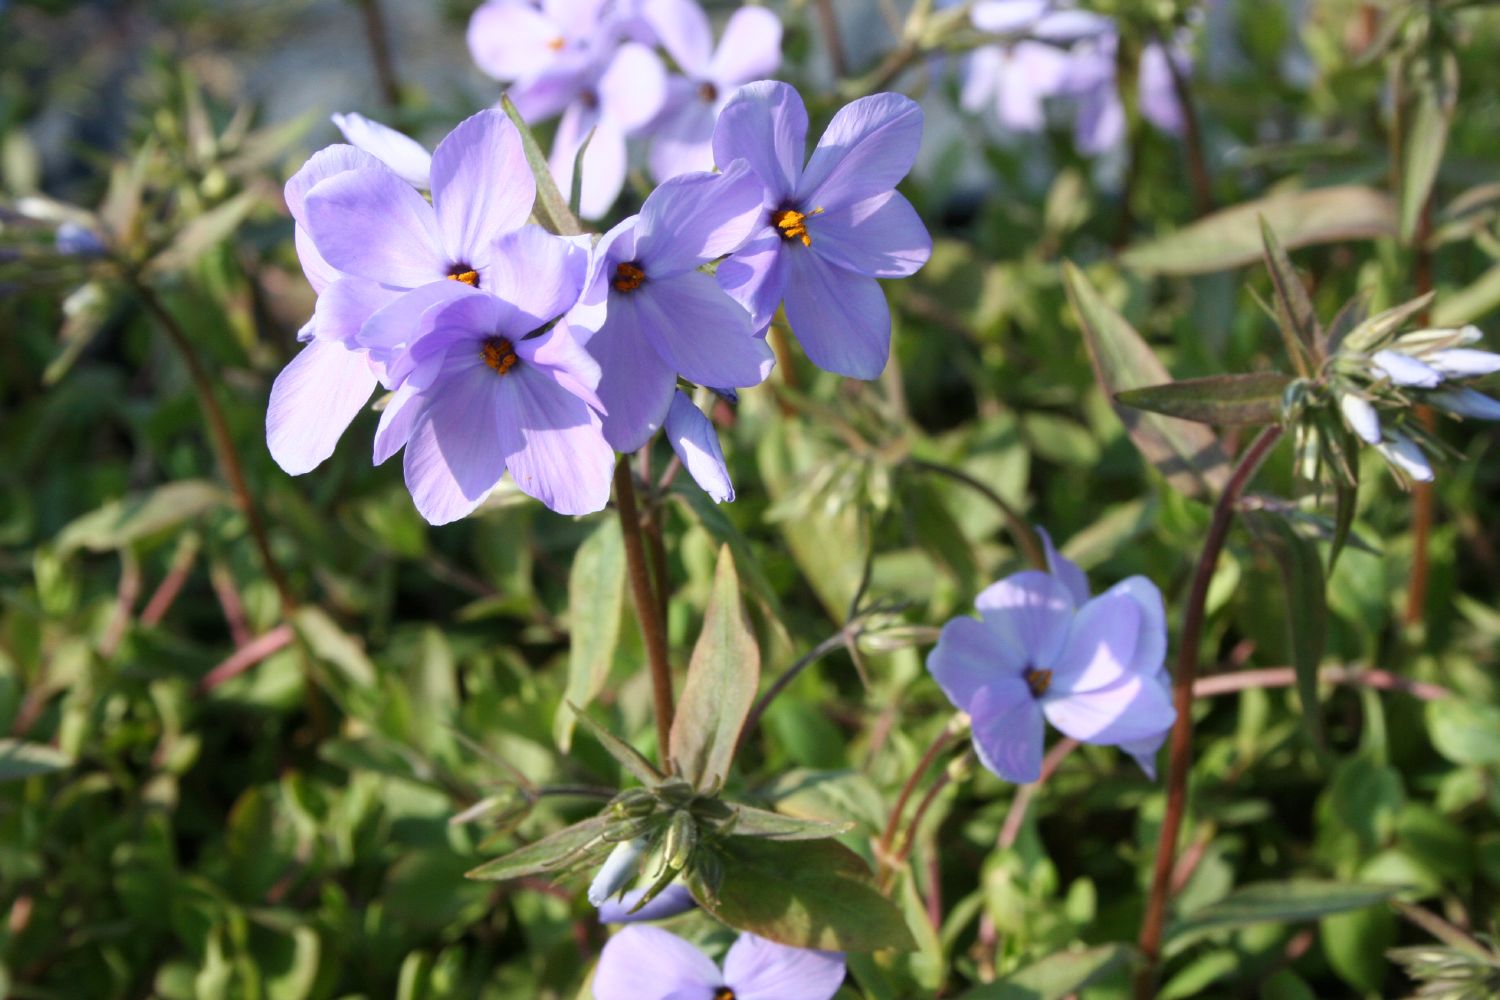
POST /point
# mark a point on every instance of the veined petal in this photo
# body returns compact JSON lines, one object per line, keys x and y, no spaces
{"x":1136,"y":708}
{"x":765,"y":124}
{"x":648,"y":963}
{"x":1404,"y":370}
{"x":696,"y":443}
{"x":407,"y":157}
{"x":453,"y":456}
{"x":750,"y":48}
{"x":869,"y":146}
{"x":841,"y":319}
{"x":391,"y":332}
{"x":313,"y":401}
{"x":1100,"y":647}
{"x":371,"y":224}
{"x":537,"y":275}
{"x":320,"y":274}
{"x":560,"y":354}
{"x":683,"y":30}
{"x":757,"y":969}
{"x":346,"y":305}
{"x":482,"y":187}
{"x":325,"y":163}
{"x":1030,"y":612}
{"x":695,"y":218}
{"x":969,"y":655}
{"x":635,"y":384}
{"x":1151,"y":639}
{"x":699,"y":331}
{"x":756,"y":276}
{"x":880,"y":237}
{"x":1008,"y":730}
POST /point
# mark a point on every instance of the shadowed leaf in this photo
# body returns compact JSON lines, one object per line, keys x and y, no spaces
{"x":596,"y":600}
{"x":1219,"y":399}
{"x":547,"y":854}
{"x":1057,"y":976}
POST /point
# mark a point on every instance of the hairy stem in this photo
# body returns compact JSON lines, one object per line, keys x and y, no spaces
{"x":647,"y":610}
{"x":1182,"y":730}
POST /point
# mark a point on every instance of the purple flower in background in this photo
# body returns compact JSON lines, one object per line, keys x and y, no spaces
{"x":827,"y":231}
{"x":479,"y":392}
{"x":1042,"y":649}
{"x":749,"y":50}
{"x":512,"y":40}
{"x":696,"y":443}
{"x":75,"y":240}
{"x":1018,"y":78}
{"x":671,"y":901}
{"x":648,"y":315}
{"x":648,"y":963}
{"x":407,"y":157}
{"x":1092,"y":83}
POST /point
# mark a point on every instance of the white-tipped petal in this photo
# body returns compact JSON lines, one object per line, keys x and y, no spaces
{"x":406,"y":156}
{"x":1361,"y":417}
{"x":617,"y":871}
{"x":1402,"y":452}
{"x":1403,"y":369}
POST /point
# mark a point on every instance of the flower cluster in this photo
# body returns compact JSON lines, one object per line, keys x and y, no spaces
{"x":506,"y":347}
{"x":1042,"y":648}
{"x":594,"y":62}
{"x":1071,"y":56}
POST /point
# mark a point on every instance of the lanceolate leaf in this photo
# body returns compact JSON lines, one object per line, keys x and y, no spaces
{"x":808,"y":894}
{"x":1283,"y":902}
{"x":722,"y":680}
{"x":1231,"y":238}
{"x":130,"y":519}
{"x":1430,"y":114}
{"x":1219,"y":399}
{"x":626,"y":755}
{"x":752,"y":822}
{"x":548,"y":854}
{"x":1307,"y":608}
{"x":1187,"y":454}
{"x":1299,"y":324}
{"x":596,"y":599}
{"x":204,"y":233}
{"x":551,"y":208}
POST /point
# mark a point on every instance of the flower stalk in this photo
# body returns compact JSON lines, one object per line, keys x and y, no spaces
{"x":647,"y":609}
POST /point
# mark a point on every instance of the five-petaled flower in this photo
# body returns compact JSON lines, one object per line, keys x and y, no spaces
{"x":648,"y":963}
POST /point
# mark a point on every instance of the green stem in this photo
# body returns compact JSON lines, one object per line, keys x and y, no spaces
{"x":647,"y":610}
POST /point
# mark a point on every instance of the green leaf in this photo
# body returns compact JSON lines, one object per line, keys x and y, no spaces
{"x":333,"y":645}
{"x":626,"y":755}
{"x":1057,"y":976}
{"x":1355,"y":945}
{"x":752,"y":822}
{"x":1282,"y":902}
{"x":202,"y":234}
{"x":22,"y":759}
{"x":551,"y":852}
{"x":1249,"y":399}
{"x":1429,"y":115}
{"x":807,"y":894}
{"x":1232,"y":237}
{"x":1187,"y":454}
{"x":551,"y":209}
{"x":596,"y":600}
{"x":130,"y":519}
{"x":575,"y":196}
{"x":1464,"y":731}
{"x":1470,"y":302}
{"x":722,"y":679}
{"x":1300,"y":329}
{"x":1307,"y":609}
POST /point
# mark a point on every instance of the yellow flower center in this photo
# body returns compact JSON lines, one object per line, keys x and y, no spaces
{"x":557,"y":43}
{"x":723,"y":993}
{"x":792,"y":224}
{"x":464,"y":273}
{"x":628,"y":277}
{"x":499,"y":355}
{"x":1038,"y":680}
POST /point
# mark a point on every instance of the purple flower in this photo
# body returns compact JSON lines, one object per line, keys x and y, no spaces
{"x":648,"y":963}
{"x":1042,"y":649}
{"x":749,"y":50}
{"x":520,"y":40}
{"x":827,"y":231}
{"x":671,"y":901}
{"x":1099,"y":125}
{"x":1016,"y":80}
{"x":75,"y":240}
{"x":480,"y":392}
{"x":648,"y":315}
{"x":697,"y":446}
{"x":407,"y":157}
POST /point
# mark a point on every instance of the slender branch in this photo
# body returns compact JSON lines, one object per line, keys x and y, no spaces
{"x":888,"y":836}
{"x":910,"y":840}
{"x":1380,"y":680}
{"x":246,"y":657}
{"x":171,"y":585}
{"x":378,"y":41}
{"x":223,"y":441}
{"x":1182,"y":730}
{"x":788,"y":675}
{"x":1025,"y":538}
{"x":653,"y":628}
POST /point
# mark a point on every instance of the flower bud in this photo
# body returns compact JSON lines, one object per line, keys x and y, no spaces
{"x":617,"y":871}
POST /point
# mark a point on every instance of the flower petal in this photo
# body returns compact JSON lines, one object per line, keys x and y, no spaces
{"x":1065,"y":570}
{"x":699,"y":331}
{"x":371,"y":224}
{"x":537,"y":275}
{"x":765,"y":124}
{"x":648,"y":963}
{"x":553,"y":443}
{"x":635,"y":384}
{"x":1360,"y":416}
{"x":512,"y":40}
{"x":841,"y":319}
{"x":1145,"y":751}
{"x":749,"y":49}
{"x":1406,"y":455}
{"x":1100,"y":647}
{"x":755,"y":276}
{"x":1404,"y":370}
{"x":1151,"y":639}
{"x":1008,"y":730}
{"x":313,"y":401}
{"x":695,"y":218}
{"x":880,"y":237}
{"x":968,"y":655}
{"x":683,"y":30}
{"x":482,"y":186}
{"x":325,"y":163}
{"x":1031,"y":612}
{"x":633,"y":88}
{"x":1464,"y":362}
{"x":757,"y":969}
{"x":869,"y":146}
{"x":1467,"y":403}
{"x":454,"y":457}
{"x":403,"y":154}
{"x":696,"y":443}
{"x":618,"y":870}
{"x":1136,"y":708}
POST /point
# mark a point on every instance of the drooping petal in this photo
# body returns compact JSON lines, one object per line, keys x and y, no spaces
{"x":765,"y":124}
{"x":695,"y":218}
{"x":635,"y":384}
{"x":750,"y":48}
{"x":699,"y":331}
{"x":323,"y":164}
{"x":1360,"y":416}
{"x":313,"y":401}
{"x":1008,"y":730}
{"x":1065,"y":570}
{"x":512,"y":40}
{"x":1135,"y":708}
{"x":969,"y":655}
{"x":454,"y":456}
{"x":1467,"y":403}
{"x":1406,"y":455}
{"x":633,"y":88}
{"x":1100,"y":647}
{"x":840,"y":318}
{"x":538,"y":277}
{"x":1403,"y":369}
{"x":403,"y":154}
{"x":756,"y":275}
{"x":1030,"y":611}
{"x":482,"y":187}
{"x":869,"y":146}
{"x":696,"y":443}
{"x":1145,"y":751}
{"x":674,"y":899}
{"x":553,"y":443}
{"x":683,"y":30}
{"x":1464,"y":362}
{"x":880,"y":237}
{"x":371,"y":224}
{"x":757,"y":969}
{"x":648,"y":963}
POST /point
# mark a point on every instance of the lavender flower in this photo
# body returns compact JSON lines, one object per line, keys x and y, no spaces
{"x":407,"y":157}
{"x":514,"y":40}
{"x":648,"y":963}
{"x":479,"y":392}
{"x":697,"y":446}
{"x":749,"y":50}
{"x":1043,"y":649}
{"x":648,"y":315}
{"x":827,"y":231}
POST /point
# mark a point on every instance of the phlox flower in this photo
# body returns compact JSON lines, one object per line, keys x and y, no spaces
{"x":479,"y":391}
{"x":648,"y":315}
{"x":648,"y":963}
{"x":407,"y":157}
{"x":696,"y":443}
{"x":825,"y":231}
{"x":1092,"y":83}
{"x":750,"y":49}
{"x":1042,"y":649}
{"x":521,"y":40}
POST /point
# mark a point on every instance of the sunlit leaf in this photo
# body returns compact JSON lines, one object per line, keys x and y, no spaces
{"x":1250,"y":399}
{"x":23,"y":759}
{"x":548,"y":854}
{"x":133,"y":518}
{"x":596,"y":601}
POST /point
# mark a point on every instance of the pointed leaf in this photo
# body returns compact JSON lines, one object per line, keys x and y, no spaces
{"x":1219,"y":399}
{"x":808,"y":894}
{"x":752,"y":822}
{"x":1283,"y":902}
{"x":130,"y":519}
{"x":575,"y":195}
{"x":202,"y":234}
{"x":722,"y":680}
{"x":628,"y":757}
{"x":1299,"y":324}
{"x":1057,"y":976}
{"x":1187,"y":454}
{"x":1373,"y":332}
{"x":551,"y":852}
{"x":596,"y":602}
{"x":551,"y":209}
{"x":1307,"y":608}
{"x":1430,"y":114}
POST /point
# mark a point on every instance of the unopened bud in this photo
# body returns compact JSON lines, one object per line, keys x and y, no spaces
{"x":617,"y":871}
{"x":681,"y":840}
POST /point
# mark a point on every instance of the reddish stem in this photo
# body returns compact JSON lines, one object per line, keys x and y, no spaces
{"x":246,"y":657}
